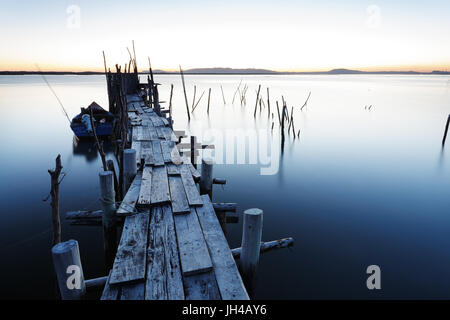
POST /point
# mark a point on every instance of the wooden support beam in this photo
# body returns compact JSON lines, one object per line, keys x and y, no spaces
{"x":267,"y":246}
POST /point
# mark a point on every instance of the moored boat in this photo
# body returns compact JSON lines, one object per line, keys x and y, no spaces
{"x":103,"y":122}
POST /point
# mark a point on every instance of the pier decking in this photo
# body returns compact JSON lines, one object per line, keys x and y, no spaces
{"x":172,"y":244}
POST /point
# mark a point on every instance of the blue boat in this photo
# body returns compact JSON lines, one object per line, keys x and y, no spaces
{"x":103,"y":122}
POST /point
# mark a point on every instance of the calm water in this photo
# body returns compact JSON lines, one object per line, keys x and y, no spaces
{"x":359,"y":187}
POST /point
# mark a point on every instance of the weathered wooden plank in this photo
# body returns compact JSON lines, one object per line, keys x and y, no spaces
{"x":147,"y":122}
{"x":147,"y":152}
{"x":153,"y":133}
{"x":157,"y":122}
{"x":174,"y":279}
{"x":130,"y":261}
{"x":164,"y":120}
{"x":133,"y":98}
{"x":157,"y":153}
{"x":177,"y":194}
{"x":137,"y":133}
{"x":160,"y":186}
{"x":160,"y":133}
{"x":201,"y":287}
{"x":136,"y":145}
{"x":190,"y":188}
{"x":133,"y":291}
{"x":227,"y":275}
{"x":168,"y":134}
{"x":166,"y":151}
{"x":172,"y":170}
{"x":174,"y":154}
{"x":156,"y":283}
{"x":146,"y":187}
{"x":110,"y":292}
{"x":128,"y":203}
{"x":145,"y":133}
{"x":194,"y":255}
{"x":164,"y":279}
{"x":194,"y":171}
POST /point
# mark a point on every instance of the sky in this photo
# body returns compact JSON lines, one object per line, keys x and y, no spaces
{"x":296,"y":35}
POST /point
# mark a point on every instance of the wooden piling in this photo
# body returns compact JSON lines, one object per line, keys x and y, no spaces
{"x":54,"y":193}
{"x":68,"y":269}
{"x":107,"y":198}
{"x":446,"y":130}
{"x":206,"y":180}
{"x":209,"y":97}
{"x":257,"y":98}
{"x":185,"y":95}
{"x":251,"y":246}
{"x":223,"y":96}
{"x":129,"y":168}
{"x":110,"y":165}
{"x":193,"y":151}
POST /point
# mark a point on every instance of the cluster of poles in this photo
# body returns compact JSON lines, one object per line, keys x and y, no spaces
{"x":285,"y":118}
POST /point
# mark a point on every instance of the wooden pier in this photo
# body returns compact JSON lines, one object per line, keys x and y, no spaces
{"x":172,"y":244}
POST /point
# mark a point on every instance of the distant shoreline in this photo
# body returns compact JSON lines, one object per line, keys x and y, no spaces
{"x":229,"y":71}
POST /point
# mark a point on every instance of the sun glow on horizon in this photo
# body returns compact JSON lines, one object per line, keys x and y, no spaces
{"x":299,"y":35}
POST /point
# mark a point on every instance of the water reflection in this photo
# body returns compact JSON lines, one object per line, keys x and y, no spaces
{"x":87,"y":149}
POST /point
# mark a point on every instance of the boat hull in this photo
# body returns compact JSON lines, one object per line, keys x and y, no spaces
{"x":102,"y":130}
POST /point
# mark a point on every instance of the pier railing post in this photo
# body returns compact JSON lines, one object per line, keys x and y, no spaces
{"x":251,"y":246}
{"x":69,"y":272}
{"x":206,"y":180}
{"x":129,"y":168}
{"x":193,"y":158}
{"x":107,"y":198}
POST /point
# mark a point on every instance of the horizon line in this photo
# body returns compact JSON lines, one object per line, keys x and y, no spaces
{"x":229,"y":70}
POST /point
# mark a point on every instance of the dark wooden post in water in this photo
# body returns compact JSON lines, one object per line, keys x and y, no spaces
{"x":108,"y":202}
{"x":251,"y":246}
{"x":185,"y":95}
{"x":54,"y":193}
{"x":257,"y":99}
{"x":68,"y":269}
{"x":209,"y":97}
{"x":206,"y":180}
{"x":129,"y":168}
{"x":193,"y":158}
{"x":446,"y":130}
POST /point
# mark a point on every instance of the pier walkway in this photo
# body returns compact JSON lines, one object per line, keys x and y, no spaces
{"x":172,"y":245}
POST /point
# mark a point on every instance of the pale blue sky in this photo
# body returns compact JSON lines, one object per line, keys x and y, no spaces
{"x":279,"y":35}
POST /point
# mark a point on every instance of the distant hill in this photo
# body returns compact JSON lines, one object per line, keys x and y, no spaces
{"x":225,"y":71}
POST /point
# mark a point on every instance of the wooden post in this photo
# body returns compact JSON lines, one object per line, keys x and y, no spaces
{"x":194,"y":163}
{"x":69,"y":272}
{"x":446,"y":130}
{"x":170,"y":108}
{"x":107,"y":199}
{"x":209,"y":96}
{"x":129,"y":168}
{"x":257,"y":99}
{"x":251,"y":246}
{"x":185,"y":95}
{"x":54,"y":193}
{"x":111,"y":167}
{"x":223,"y":96}
{"x":206,"y":180}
